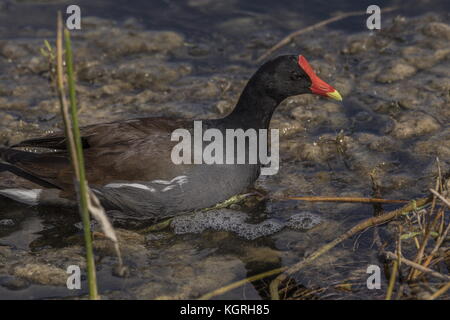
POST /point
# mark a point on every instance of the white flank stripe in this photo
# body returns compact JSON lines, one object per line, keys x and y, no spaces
{"x":168,"y":188}
{"x":132,"y":185}
{"x":169,"y":185}
{"x":178,"y":180}
{"x":161,"y":182}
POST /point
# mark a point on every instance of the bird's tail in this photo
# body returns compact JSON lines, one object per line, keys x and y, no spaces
{"x":19,"y":192}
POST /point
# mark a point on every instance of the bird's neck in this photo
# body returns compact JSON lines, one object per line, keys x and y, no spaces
{"x":253,"y":110}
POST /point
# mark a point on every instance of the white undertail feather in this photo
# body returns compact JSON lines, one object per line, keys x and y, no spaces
{"x":27,"y":196}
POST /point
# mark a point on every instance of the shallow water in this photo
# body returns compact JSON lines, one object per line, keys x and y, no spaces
{"x":192,"y":59}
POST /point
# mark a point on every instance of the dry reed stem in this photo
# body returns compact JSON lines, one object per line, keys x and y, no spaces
{"x":392,"y":279}
{"x":344,"y":199}
{"x":237,"y":284}
{"x":74,"y":145}
{"x":62,"y":96}
{"x":440,"y":292}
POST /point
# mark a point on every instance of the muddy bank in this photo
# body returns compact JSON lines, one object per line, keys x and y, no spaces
{"x":394,"y":122}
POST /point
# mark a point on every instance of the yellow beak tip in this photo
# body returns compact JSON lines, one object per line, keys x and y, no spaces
{"x":335,"y":95}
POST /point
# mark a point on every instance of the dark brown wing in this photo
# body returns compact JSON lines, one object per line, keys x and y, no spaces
{"x":131,"y":150}
{"x":107,"y":133}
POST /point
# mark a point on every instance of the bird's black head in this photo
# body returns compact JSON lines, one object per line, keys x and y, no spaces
{"x":291,"y":75}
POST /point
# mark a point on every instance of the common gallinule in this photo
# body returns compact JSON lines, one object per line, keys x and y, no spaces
{"x":129,"y":164}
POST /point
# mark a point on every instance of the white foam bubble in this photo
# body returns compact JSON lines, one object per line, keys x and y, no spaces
{"x":225,"y":220}
{"x":235,"y":221}
{"x":304,"y":221}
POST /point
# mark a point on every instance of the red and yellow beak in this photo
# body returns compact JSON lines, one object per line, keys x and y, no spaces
{"x":318,"y":86}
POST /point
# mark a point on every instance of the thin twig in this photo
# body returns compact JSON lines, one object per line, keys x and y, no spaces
{"x":444,"y":200}
{"x":442,"y":236}
{"x":440,"y":292}
{"x":430,"y":226}
{"x":392,"y":280}
{"x":393,"y":256}
{"x":397,"y":264}
{"x":286,"y":40}
{"x":237,"y":284}
{"x":440,"y":240}
{"x":343,"y":199}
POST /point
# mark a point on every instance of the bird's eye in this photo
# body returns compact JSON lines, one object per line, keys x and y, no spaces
{"x":296,"y":76}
